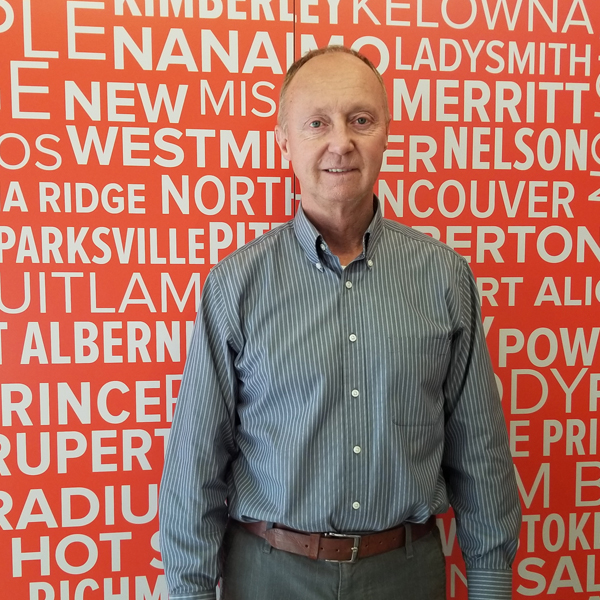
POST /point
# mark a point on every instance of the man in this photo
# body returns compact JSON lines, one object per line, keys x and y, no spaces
{"x":338,"y":392}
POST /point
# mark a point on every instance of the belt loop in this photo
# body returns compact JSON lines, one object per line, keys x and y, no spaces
{"x":266,"y":549}
{"x":408,"y":540}
{"x":314,"y":541}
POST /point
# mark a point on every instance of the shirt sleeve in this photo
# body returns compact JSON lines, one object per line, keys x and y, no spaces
{"x":477,"y":463}
{"x":193,"y":495}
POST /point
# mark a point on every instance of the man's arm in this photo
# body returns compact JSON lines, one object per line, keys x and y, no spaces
{"x":477,"y":463}
{"x":193,"y":511}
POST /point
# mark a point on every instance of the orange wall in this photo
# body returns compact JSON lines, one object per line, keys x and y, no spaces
{"x":137,"y":148}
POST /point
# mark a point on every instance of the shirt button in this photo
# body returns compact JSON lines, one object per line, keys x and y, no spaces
{"x":355,"y":393}
{"x":352,"y":337}
{"x":356,"y":449}
{"x":370,"y":263}
{"x":356,"y":505}
{"x":323,"y":247}
{"x":348,"y":284}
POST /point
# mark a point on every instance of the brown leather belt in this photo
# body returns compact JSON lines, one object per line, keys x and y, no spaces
{"x":338,"y":547}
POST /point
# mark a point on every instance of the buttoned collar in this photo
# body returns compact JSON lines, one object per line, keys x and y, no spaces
{"x":314,"y":246}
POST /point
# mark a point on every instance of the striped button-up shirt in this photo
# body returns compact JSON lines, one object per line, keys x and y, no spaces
{"x":338,"y":399}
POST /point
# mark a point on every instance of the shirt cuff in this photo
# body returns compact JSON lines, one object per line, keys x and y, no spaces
{"x":489,"y":584}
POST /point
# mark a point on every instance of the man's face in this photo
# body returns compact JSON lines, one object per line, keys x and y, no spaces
{"x":335,"y":130}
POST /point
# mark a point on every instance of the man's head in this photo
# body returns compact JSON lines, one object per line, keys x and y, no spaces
{"x":294,"y":68}
{"x":333,"y":126}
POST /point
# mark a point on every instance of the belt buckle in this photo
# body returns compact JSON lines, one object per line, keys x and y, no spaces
{"x":355,"y":547}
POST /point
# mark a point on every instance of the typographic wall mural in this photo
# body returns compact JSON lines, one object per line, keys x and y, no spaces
{"x":137,"y":149}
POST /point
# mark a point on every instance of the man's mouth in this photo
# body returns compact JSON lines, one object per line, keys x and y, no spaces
{"x":339,"y":170}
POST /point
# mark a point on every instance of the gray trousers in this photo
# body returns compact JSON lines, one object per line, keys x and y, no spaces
{"x":253,"y":570}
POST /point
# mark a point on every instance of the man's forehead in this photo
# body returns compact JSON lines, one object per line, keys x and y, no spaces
{"x":336,"y":79}
{"x":327,"y":103}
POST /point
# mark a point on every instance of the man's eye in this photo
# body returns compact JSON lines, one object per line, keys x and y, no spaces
{"x":362,"y":120}
{"x":315,"y":124}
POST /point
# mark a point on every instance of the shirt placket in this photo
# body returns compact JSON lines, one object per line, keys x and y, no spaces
{"x":356,"y":437}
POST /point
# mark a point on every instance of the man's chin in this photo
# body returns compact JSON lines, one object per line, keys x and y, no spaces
{"x":345,"y":196}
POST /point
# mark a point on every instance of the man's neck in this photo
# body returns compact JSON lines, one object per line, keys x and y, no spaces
{"x":342,"y":227}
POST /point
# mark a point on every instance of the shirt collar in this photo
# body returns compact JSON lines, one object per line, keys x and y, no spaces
{"x":310,"y":239}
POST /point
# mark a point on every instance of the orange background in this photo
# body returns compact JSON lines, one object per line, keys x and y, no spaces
{"x":84,"y":423}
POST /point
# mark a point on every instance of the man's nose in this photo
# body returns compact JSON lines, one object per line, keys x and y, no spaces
{"x":340,"y":139}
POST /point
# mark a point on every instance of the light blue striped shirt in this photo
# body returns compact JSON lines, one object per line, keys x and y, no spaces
{"x":345,"y":400}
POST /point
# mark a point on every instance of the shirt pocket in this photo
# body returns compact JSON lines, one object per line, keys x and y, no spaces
{"x":418,"y":367}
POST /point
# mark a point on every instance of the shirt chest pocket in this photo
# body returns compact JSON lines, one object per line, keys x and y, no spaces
{"x":417,"y":368}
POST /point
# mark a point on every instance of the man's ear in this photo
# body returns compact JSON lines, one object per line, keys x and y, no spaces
{"x":282,"y":141}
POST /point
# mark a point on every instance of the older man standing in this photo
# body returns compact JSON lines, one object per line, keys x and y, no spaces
{"x":338,"y":392}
